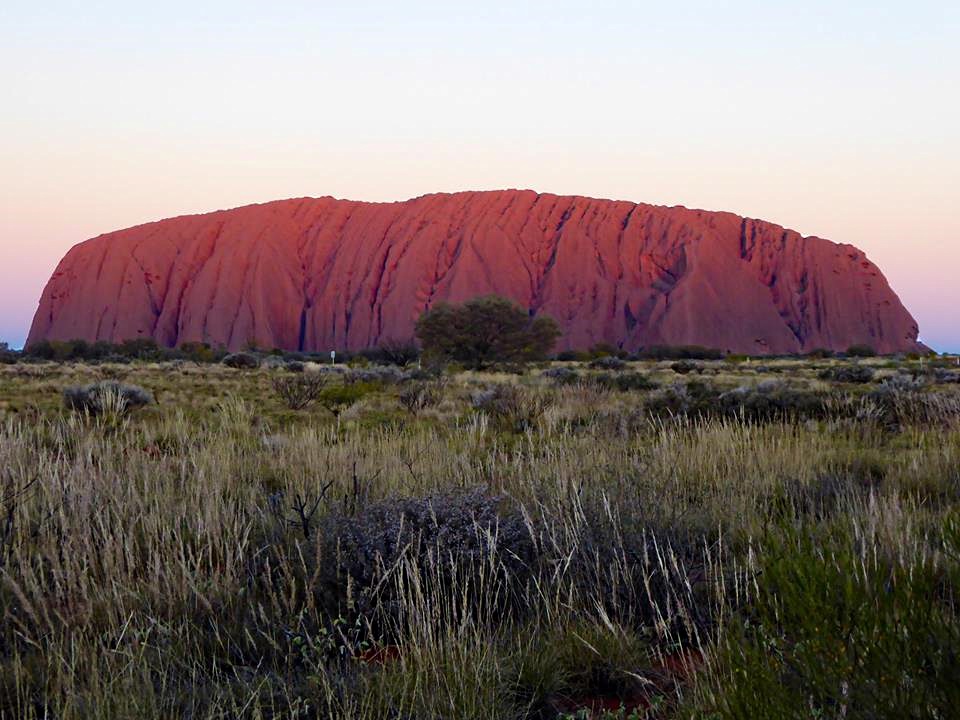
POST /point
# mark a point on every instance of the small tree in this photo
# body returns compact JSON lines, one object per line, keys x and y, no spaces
{"x":198,"y":352}
{"x":8,"y":356}
{"x":485,"y":330}
{"x":298,"y":391}
{"x":861,"y":351}
{"x":141,"y":349}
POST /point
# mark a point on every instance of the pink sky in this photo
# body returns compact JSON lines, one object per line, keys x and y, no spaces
{"x":838,"y":122}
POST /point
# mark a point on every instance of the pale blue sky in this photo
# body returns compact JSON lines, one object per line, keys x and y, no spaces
{"x":839,"y":120}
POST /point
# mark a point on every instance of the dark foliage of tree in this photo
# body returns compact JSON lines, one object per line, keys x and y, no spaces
{"x":861,"y":351}
{"x":8,"y":356}
{"x":485,"y":330}
{"x":679,"y":352}
{"x":392,"y":352}
{"x":134,"y":349}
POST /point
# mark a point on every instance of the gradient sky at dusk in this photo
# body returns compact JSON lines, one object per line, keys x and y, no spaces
{"x":835,"y":119}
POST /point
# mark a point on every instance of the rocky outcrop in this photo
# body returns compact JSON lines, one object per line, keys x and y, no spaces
{"x":321,"y":274}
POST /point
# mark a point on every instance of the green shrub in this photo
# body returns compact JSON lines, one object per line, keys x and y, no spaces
{"x":608,"y":362}
{"x":561,"y":375}
{"x":300,"y":390}
{"x":861,"y":351}
{"x":199,"y":352}
{"x":242,"y":361}
{"x":420,"y":395}
{"x":675,"y":400}
{"x":337,"y":399}
{"x":624,"y":381}
{"x":838,"y":630}
{"x":857,"y":374}
{"x":141,"y":349}
{"x":8,"y":356}
{"x":679,"y":352}
{"x":375,"y":374}
{"x":61,"y":350}
{"x":771,"y":400}
{"x":104,"y":397}
{"x":485,"y":330}
{"x":512,"y":407}
{"x":601,"y":660}
{"x":82,"y":350}
{"x":768,"y":401}
{"x":573,"y":356}
{"x":606,"y":350}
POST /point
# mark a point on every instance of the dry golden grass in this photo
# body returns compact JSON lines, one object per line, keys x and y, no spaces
{"x":152,"y":565}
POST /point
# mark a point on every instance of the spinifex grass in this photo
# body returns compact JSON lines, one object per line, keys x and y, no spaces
{"x":220,"y":555}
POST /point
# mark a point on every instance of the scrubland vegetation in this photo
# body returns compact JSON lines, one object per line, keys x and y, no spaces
{"x":646,"y":538}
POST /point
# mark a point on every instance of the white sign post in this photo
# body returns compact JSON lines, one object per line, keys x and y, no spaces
{"x":333,"y":357}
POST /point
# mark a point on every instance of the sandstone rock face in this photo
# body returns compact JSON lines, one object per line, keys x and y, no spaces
{"x":321,"y":274}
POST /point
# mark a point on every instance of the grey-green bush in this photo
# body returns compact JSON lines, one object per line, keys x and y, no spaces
{"x":856,"y":374}
{"x":109,"y":395}
{"x":242,"y":361}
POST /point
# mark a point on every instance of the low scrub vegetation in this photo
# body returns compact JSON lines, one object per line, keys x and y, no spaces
{"x":512,"y":407}
{"x":574,"y":540}
{"x":859,"y":374}
{"x":608,"y":362}
{"x":242,"y":361}
{"x":107,"y":397}
{"x":298,"y":391}
{"x":624,"y":381}
{"x":421,"y":395}
{"x":679,"y":352}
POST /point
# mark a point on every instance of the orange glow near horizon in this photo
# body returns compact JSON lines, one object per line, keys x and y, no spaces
{"x":834,"y":121}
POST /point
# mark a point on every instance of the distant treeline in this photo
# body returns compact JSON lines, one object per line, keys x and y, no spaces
{"x":391,"y":353}
{"x":481,"y":332}
{"x":478,"y":333}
